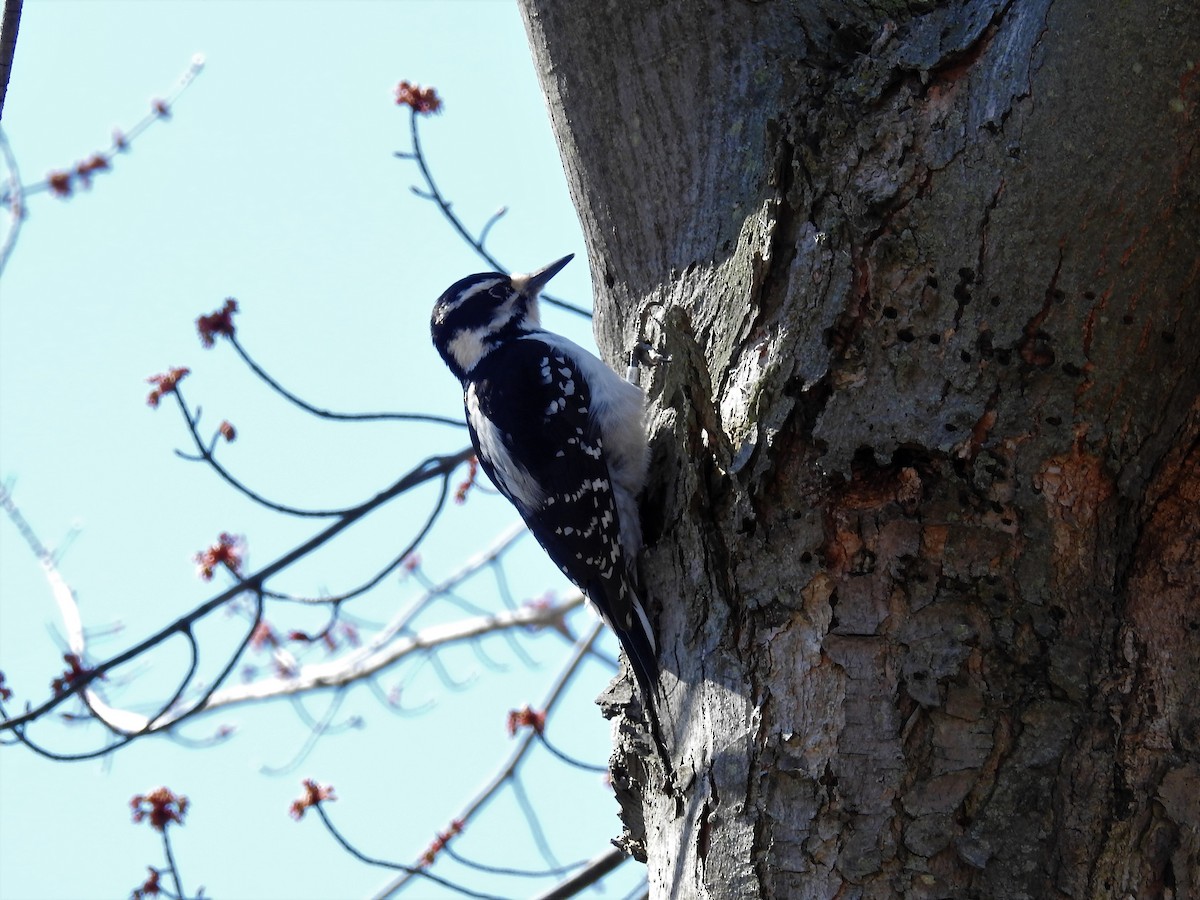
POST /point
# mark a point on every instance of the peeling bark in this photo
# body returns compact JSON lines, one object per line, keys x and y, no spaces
{"x":923,"y":527}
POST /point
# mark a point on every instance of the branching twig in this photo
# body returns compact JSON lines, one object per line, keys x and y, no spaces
{"x":567,"y":758}
{"x":62,"y":182}
{"x":587,"y":876}
{"x":204,"y":453}
{"x":430,"y":468}
{"x":392,"y":566}
{"x":456,"y":421}
{"x":508,"y":769}
{"x":16,"y":203}
{"x":432,"y":193}
{"x":409,"y":871}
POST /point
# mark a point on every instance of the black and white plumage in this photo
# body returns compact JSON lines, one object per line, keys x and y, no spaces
{"x":562,"y":437}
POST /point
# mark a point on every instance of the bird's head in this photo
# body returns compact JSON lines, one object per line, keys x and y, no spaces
{"x":478,"y":312}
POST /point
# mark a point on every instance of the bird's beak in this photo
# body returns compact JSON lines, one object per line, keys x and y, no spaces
{"x":531,"y":285}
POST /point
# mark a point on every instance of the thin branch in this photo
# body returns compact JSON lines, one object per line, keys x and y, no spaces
{"x":205,"y":454}
{"x":127,"y":737}
{"x":171,"y":866}
{"x":62,"y":182}
{"x":509,"y":870}
{"x":434,"y":194}
{"x":531,"y":819}
{"x":431,"y":468}
{"x":409,"y":871}
{"x":373,"y":660}
{"x":392,"y":566}
{"x":508,"y":768}
{"x":16,"y":197}
{"x":586,"y":877}
{"x":568,"y":759}
{"x":455,"y":421}
{"x":317,"y":730}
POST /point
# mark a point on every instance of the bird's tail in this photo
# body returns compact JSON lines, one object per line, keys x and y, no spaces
{"x":631,"y":624}
{"x":637,"y":639}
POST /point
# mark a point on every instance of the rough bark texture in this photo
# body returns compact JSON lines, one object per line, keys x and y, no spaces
{"x":924,"y":540}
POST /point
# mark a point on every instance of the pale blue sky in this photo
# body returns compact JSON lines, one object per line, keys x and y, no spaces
{"x":273,"y":182}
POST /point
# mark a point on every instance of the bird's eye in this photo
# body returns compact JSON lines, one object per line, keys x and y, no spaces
{"x":499,"y":293}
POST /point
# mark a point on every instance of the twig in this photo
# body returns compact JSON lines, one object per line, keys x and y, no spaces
{"x":101,"y":161}
{"x":455,"y":421}
{"x":509,"y":870}
{"x":508,"y":768}
{"x":434,"y":194}
{"x":16,"y":202}
{"x":409,"y":871}
{"x":171,"y":867}
{"x":205,"y":454}
{"x":567,"y":758}
{"x":586,"y":877}
{"x":396,"y":562}
{"x":430,"y":468}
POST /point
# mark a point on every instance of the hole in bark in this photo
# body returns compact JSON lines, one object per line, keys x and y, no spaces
{"x":1004,"y":356}
{"x":1053,"y":420}
{"x":967,"y":275}
{"x":995,"y":301}
{"x":950,"y":426}
{"x":935,"y":339}
{"x":1059,"y":295}
{"x":805,"y":558}
{"x":1071,"y":369}
{"x":1168,"y":337}
{"x":961,"y":294}
{"x":609,"y":280}
{"x":889,"y":312}
{"x":931,"y":281}
{"x":965,"y":356}
{"x":984,"y":343}
{"x":1127,"y":319}
{"x":1089,"y":295}
{"x":1036,"y":349}
{"x":906,"y":335}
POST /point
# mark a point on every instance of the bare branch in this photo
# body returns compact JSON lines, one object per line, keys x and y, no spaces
{"x":204,"y":452}
{"x":455,"y":421}
{"x":586,"y":877}
{"x":409,"y":871}
{"x":374,"y":658}
{"x":509,"y":767}
{"x":14,"y":195}
{"x":434,"y":194}
{"x":431,"y":468}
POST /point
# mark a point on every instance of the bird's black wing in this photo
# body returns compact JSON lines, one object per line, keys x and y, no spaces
{"x":527,"y":408}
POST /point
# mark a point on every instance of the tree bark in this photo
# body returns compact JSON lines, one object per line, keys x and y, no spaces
{"x":923,"y":527}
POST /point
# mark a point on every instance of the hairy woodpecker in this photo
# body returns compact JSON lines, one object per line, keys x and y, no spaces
{"x":561,"y":435}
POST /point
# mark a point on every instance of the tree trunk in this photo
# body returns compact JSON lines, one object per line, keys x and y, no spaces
{"x":924,"y":518}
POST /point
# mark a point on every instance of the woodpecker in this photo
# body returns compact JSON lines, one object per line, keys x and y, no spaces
{"x":562,"y":436}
